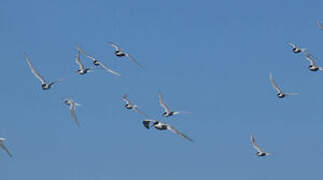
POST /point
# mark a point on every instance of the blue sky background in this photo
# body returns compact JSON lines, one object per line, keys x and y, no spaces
{"x":211,"y":58}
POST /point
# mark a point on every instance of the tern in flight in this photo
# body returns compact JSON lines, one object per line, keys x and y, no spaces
{"x":82,"y":70}
{"x":4,"y":147}
{"x":280,"y":93}
{"x":72,"y":105}
{"x":312,"y":66}
{"x":167,"y":112}
{"x":44,"y":84}
{"x":96,"y":62}
{"x":260,"y":152}
{"x":163,"y":126}
{"x":120,"y":53}
{"x":296,"y":49}
{"x":129,"y":105}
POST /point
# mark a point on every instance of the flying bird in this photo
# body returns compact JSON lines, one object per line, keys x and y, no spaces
{"x":296,"y":49}
{"x":44,"y":84}
{"x":167,"y":111}
{"x":163,"y":126}
{"x":280,"y":93}
{"x":260,"y":152}
{"x":4,"y":147}
{"x":72,"y":105}
{"x":96,"y":62}
{"x":120,"y":53}
{"x":312,"y":66}
{"x":82,"y":70}
{"x":129,"y":105}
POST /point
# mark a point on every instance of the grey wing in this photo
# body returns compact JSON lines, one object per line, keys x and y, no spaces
{"x":140,"y":112}
{"x":125,"y":98}
{"x":291,"y":44}
{"x":109,"y":70}
{"x":83,"y":52}
{"x":133,"y":59}
{"x":172,"y":129}
{"x":253,"y":141}
{"x":78,"y":60}
{"x":72,"y":109}
{"x":273,"y":83}
{"x":162,"y":103}
{"x":33,"y":70}
{"x":310,"y":59}
{"x":116,"y":47}
{"x":5,"y":149}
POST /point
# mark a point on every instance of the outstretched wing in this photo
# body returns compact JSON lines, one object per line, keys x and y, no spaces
{"x":309,"y":57}
{"x":125,"y":98}
{"x":273,"y":83}
{"x":133,"y":59}
{"x":253,"y":141}
{"x":140,"y":112}
{"x":162,"y":103}
{"x":108,"y":69}
{"x":72,"y":109}
{"x":84,"y":53}
{"x":115,"y":46}
{"x":5,"y":149}
{"x":291,"y":44}
{"x":172,"y":129}
{"x":33,"y":70}
{"x":78,"y":60}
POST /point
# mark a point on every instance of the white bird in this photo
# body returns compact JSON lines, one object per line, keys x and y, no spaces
{"x":96,"y":62}
{"x":72,"y":105}
{"x":129,"y":105}
{"x":120,"y":53}
{"x":167,"y":111}
{"x":163,"y":126}
{"x":260,"y":152}
{"x":312,"y":66}
{"x":280,"y":93}
{"x":296,"y":49}
{"x":44,"y":84}
{"x":4,"y":147}
{"x":82,"y":70}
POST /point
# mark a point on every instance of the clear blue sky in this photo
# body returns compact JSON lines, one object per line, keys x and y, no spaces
{"x":211,"y":58}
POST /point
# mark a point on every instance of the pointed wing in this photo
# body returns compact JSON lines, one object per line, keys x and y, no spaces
{"x":291,"y":44}
{"x":33,"y":70}
{"x":72,"y":109}
{"x":172,"y":129}
{"x":162,"y":103}
{"x":78,"y":61}
{"x":115,"y":46}
{"x":85,"y":54}
{"x":253,"y":141}
{"x":133,"y":59}
{"x":140,"y":112}
{"x":5,"y":149}
{"x":275,"y":86}
{"x":125,"y":98}
{"x":309,"y":57}
{"x":108,"y":70}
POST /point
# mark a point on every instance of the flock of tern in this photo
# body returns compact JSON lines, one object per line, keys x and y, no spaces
{"x":147,"y":123}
